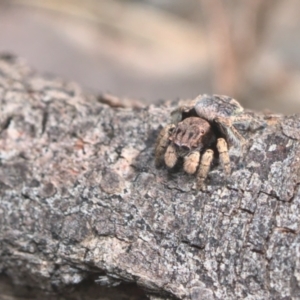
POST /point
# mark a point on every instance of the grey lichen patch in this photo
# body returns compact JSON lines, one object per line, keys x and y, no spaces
{"x":288,"y":214}
{"x":201,"y":292}
{"x":291,"y":127}
{"x":248,"y":203}
{"x":14,"y":174}
{"x":47,"y":190}
{"x":3,"y":187}
{"x":123,"y":166}
{"x":254,"y":276}
{"x":104,"y":227}
{"x":75,"y":228}
{"x":147,"y":181}
{"x":295,"y":279}
{"x":284,"y":175}
{"x":262,"y":222}
{"x":71,"y":276}
{"x":112,"y":182}
{"x":282,"y":261}
{"x":107,"y":251}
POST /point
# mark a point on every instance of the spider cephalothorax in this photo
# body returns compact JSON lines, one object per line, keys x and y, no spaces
{"x":200,"y":127}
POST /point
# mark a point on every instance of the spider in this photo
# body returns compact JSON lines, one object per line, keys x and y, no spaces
{"x":198,"y":129}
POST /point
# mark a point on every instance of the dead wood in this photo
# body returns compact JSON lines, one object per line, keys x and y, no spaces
{"x":82,"y":202}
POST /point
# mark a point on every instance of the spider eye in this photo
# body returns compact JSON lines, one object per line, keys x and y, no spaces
{"x":202,"y":131}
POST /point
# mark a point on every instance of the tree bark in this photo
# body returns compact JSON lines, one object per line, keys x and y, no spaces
{"x":82,"y":202}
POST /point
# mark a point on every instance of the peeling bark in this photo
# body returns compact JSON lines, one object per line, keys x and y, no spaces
{"x":81,"y":201}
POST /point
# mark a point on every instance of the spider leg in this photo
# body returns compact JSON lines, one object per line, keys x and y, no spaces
{"x":249,"y":122}
{"x":171,"y":156}
{"x":224,"y":156}
{"x":231,"y":133}
{"x":162,"y":143}
{"x":191,"y":162}
{"x":204,"y":167}
{"x":244,"y":119}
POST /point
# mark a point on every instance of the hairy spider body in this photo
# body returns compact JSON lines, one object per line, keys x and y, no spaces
{"x":200,"y":127}
{"x":191,"y":140}
{"x":187,"y":140}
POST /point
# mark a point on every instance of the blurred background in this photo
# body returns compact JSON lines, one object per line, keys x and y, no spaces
{"x":163,"y":49}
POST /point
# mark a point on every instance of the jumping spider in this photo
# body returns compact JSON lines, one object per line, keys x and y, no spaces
{"x":200,"y":128}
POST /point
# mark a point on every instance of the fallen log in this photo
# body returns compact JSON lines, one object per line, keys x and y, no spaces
{"x":82,"y":204}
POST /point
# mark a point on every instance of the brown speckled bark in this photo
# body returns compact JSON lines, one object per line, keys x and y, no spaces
{"x":81,"y":201}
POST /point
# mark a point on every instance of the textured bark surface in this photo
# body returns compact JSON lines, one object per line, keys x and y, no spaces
{"x":81,"y":201}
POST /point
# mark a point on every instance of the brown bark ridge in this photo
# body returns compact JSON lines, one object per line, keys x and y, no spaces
{"x":81,"y":201}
